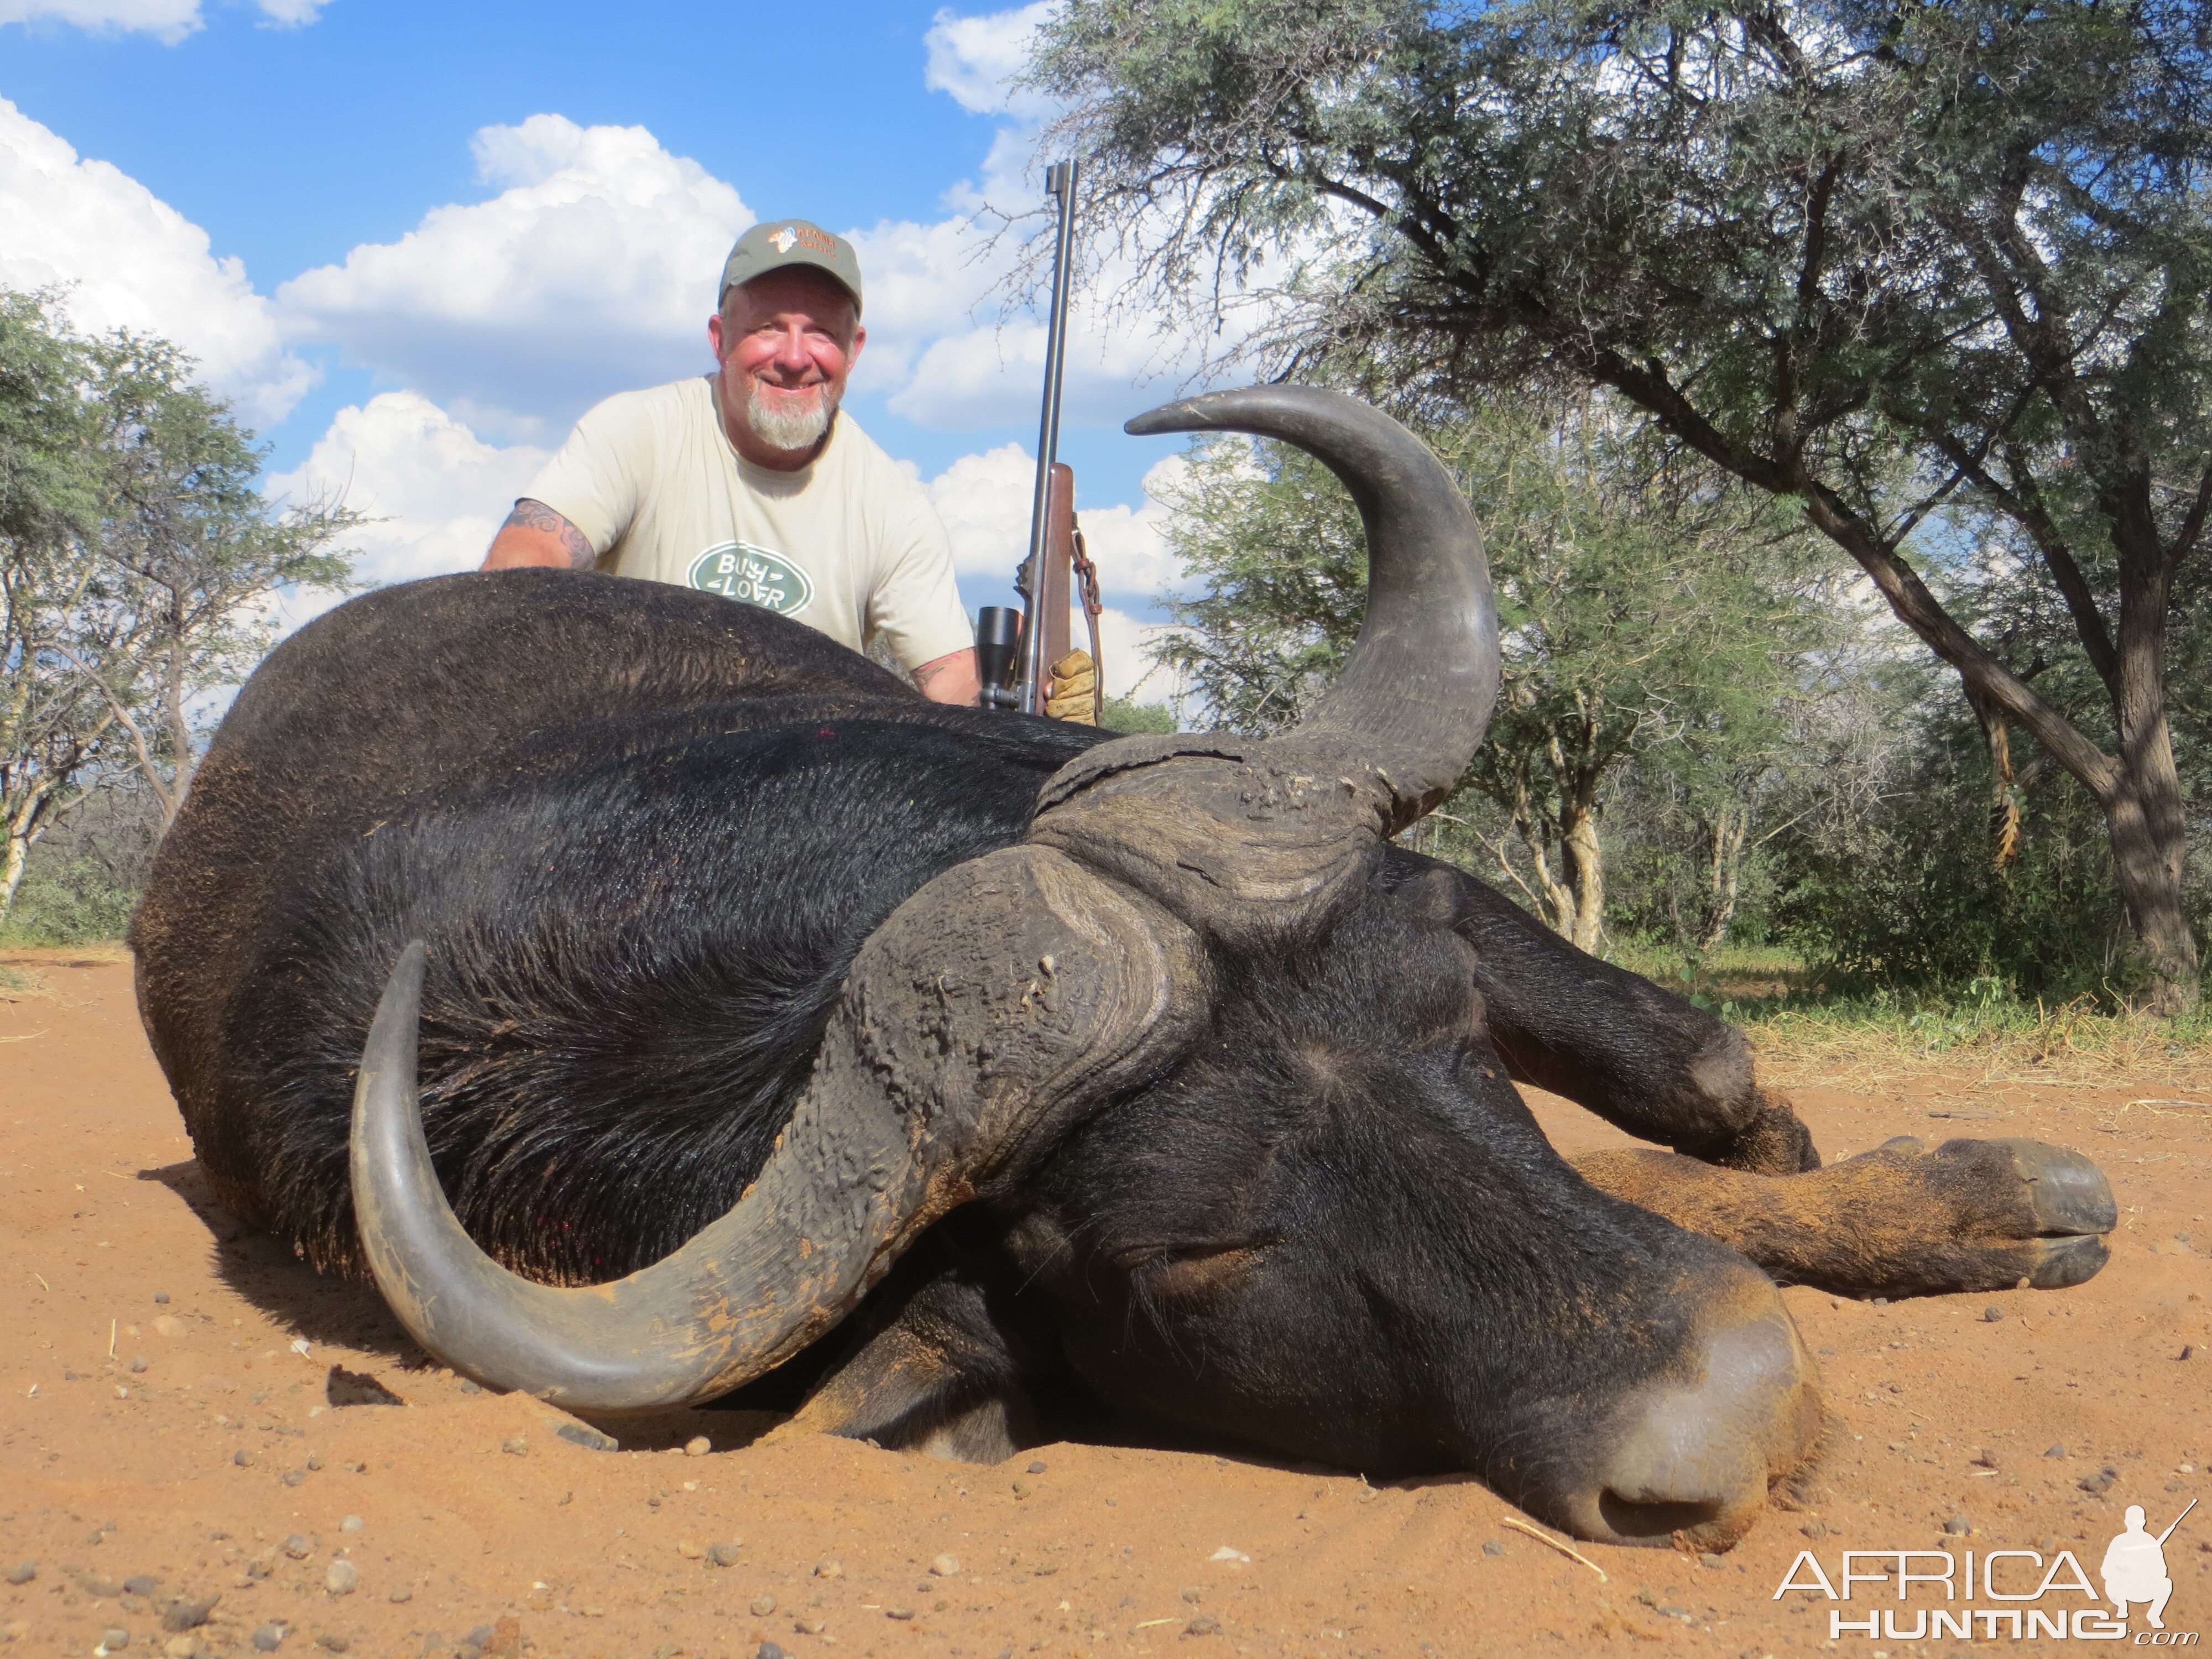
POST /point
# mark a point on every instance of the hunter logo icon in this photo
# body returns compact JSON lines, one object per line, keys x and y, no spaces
{"x":2134,"y":1568}
{"x":783,"y":238}
{"x":738,"y":570}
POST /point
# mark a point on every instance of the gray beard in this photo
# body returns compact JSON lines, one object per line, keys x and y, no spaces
{"x":790,"y":429}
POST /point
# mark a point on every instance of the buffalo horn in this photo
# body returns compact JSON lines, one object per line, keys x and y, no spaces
{"x":992,"y":1007}
{"x":1416,"y":693}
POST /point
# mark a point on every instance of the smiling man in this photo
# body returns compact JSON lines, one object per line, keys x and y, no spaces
{"x":749,"y":482}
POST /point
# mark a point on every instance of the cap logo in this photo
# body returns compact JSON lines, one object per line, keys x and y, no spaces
{"x":783,"y":240}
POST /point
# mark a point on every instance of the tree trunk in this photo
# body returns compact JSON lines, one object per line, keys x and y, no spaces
{"x":22,"y":830}
{"x":1585,"y":860}
{"x":2143,"y":820}
{"x":1731,"y":825}
{"x":2145,"y":816}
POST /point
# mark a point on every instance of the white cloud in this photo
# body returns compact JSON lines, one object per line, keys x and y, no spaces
{"x":593,"y":270}
{"x":167,"y":21}
{"x":985,"y":501}
{"x":439,"y":490}
{"x":136,"y":263}
{"x":1130,"y":671}
{"x":973,"y":58}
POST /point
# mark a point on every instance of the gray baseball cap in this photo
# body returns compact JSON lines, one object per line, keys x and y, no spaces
{"x":776,"y":243}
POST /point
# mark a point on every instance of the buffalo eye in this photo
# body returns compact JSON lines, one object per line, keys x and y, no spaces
{"x":1192,"y":1272}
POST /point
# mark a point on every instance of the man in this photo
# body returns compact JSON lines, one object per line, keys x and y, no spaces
{"x":749,"y":484}
{"x":2134,"y":1568}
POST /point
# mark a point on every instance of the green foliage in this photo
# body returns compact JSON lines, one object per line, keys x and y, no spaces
{"x":73,"y":904}
{"x":136,"y":554}
{"x":1934,"y":275}
{"x":1642,"y":616}
{"x":1125,"y":714}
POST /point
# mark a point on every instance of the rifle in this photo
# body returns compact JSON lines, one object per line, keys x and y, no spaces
{"x":1015,"y":651}
{"x":2177,"y":1520}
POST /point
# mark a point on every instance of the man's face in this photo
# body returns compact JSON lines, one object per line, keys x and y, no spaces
{"x":786,"y":341}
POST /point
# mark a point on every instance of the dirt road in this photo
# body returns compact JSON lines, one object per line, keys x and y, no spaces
{"x":168,"y":1418}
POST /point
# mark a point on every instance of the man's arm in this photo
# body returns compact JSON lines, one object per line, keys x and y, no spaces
{"x":951,"y":679}
{"x":535,"y":534}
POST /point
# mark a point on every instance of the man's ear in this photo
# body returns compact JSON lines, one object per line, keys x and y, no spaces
{"x":715,"y":335}
{"x":860,"y":339}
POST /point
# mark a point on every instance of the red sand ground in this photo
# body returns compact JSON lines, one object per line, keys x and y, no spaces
{"x":471,"y":1513}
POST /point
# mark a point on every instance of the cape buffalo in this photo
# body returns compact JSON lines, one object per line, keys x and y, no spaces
{"x":739,"y":972}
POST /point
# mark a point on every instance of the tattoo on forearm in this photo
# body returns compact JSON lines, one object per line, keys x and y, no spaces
{"x":536,"y":515}
{"x":929,"y":673}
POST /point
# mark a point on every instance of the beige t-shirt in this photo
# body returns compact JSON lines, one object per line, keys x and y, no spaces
{"x":849,"y":544}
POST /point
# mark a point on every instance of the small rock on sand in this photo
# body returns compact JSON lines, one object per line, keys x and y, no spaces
{"x":724,"y":1554}
{"x":1204,"y":1625}
{"x":946,"y":1565}
{"x":22,"y":1572}
{"x":697,"y":1446}
{"x":269,"y":1638}
{"x":515,"y":1445}
{"x":343,"y":1578}
{"x":763,"y":1604}
{"x":184,"y":1614}
{"x":345,"y":1388}
{"x":829,"y":1569}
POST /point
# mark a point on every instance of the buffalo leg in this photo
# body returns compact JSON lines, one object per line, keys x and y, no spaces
{"x":1900,"y":1220}
{"x":1643,"y":1059}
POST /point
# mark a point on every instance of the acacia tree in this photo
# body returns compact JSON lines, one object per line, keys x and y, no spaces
{"x":55,"y":730}
{"x":136,"y":562}
{"x":194,"y":552}
{"x":1639,"y":616}
{"x":1812,"y":241}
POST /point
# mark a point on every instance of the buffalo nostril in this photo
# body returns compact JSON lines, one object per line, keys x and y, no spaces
{"x":1696,"y":1457}
{"x":1639,"y":1523}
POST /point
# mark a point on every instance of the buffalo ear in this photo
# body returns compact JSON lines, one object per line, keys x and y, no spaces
{"x":1433,"y":897}
{"x":929,"y":1369}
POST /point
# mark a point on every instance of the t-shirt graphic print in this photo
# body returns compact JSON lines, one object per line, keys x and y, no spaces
{"x":738,"y":570}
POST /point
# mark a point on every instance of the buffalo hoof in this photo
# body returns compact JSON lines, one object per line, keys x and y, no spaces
{"x":1775,"y":1142}
{"x":1983,"y":1215}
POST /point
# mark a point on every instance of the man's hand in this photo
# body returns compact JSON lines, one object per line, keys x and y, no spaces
{"x":535,"y":534}
{"x":950,"y":679}
{"x":1074,"y":694}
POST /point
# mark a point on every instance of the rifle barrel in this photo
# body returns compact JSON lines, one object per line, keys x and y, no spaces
{"x":1061,"y":180}
{"x":2177,"y":1520}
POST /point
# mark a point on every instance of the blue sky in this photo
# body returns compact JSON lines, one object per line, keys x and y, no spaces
{"x":413,"y":242}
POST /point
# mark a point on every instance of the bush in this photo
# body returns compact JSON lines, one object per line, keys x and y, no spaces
{"x":84,"y":877}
